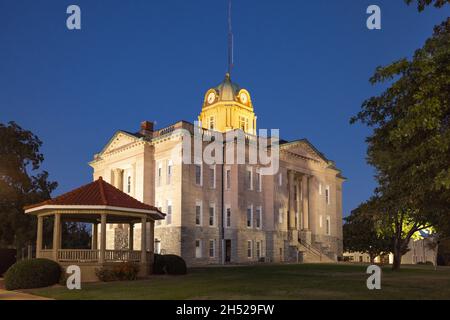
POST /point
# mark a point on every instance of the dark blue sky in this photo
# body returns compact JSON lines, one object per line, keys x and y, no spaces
{"x":305,"y":63}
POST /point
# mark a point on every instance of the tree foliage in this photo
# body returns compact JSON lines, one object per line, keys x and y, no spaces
{"x":364,"y":233}
{"x":410,"y":144}
{"x":20,"y":158}
{"x":422,"y":4}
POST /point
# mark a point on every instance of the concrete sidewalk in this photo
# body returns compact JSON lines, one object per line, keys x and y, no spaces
{"x":16,"y":295}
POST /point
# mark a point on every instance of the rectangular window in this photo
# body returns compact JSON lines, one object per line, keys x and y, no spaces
{"x":328,"y":225}
{"x":198,"y":248}
{"x":198,"y":213}
{"x":327,"y":195}
{"x":280,"y":216}
{"x":249,"y":179}
{"x":258,"y":249}
{"x":212,"y":177}
{"x":258,"y":217}
{"x":228,"y":179}
{"x":159,"y":175}
{"x":249,"y":248}
{"x":212,"y":215}
{"x":258,"y":182}
{"x":169,"y":171}
{"x":212,"y":248}
{"x":198,"y":174}
{"x":169,"y":212}
{"x":129,"y":184}
{"x":228,"y":217}
{"x":212,"y":123}
{"x":250,"y":217}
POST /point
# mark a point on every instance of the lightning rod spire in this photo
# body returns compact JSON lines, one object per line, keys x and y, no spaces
{"x":230,"y":40}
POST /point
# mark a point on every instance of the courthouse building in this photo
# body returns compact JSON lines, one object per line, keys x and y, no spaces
{"x":227,"y":213}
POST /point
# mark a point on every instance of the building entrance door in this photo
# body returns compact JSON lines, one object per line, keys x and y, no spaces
{"x":227,"y":251}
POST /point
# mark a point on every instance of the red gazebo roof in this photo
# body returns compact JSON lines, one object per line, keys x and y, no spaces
{"x":97,"y":193}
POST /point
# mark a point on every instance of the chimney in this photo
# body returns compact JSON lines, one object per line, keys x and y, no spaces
{"x":146,"y":128}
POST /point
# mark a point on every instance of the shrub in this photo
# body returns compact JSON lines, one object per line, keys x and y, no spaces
{"x":126,"y":271}
{"x":158,"y":264}
{"x":170,"y":264}
{"x":34,"y":273}
{"x":105,"y":274}
{"x":175,"y":264}
{"x":7,"y":259}
{"x":122,"y":271}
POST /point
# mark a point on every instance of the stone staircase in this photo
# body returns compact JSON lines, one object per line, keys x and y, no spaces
{"x":314,"y":254}
{"x":302,"y":250}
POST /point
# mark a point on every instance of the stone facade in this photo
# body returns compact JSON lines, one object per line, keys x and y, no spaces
{"x":228,"y":213}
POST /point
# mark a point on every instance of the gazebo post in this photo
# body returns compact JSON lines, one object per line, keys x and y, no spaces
{"x":143,"y":241}
{"x":56,"y":235}
{"x":94,"y":236}
{"x":103,"y":238}
{"x":40,"y":223}
{"x":131,"y":237}
{"x":151,"y":245}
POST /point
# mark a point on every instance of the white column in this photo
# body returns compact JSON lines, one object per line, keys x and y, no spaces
{"x":103,"y":238}
{"x":151,"y":233}
{"x":40,"y":223}
{"x":56,"y":235}
{"x":291,"y":206}
{"x":305,"y":195}
{"x":94,"y":236}
{"x":131,"y":236}
{"x":143,"y":240}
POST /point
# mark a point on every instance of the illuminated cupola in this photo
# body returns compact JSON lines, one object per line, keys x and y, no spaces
{"x":228,"y":107}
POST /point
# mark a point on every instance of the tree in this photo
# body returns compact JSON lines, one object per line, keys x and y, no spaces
{"x":421,"y":4}
{"x":410,"y":144}
{"x":19,"y":155}
{"x":363,"y":233}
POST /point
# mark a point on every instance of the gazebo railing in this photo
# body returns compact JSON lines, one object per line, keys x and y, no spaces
{"x":85,"y":255}
{"x":122,"y":255}
{"x":46,"y":254}
{"x":78,"y":255}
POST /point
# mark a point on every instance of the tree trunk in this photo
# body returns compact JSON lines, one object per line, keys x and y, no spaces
{"x":398,"y":254}
{"x":397,"y":260}
{"x":372,"y":259}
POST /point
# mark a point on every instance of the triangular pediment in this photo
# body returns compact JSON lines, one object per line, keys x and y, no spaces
{"x":305,"y":149}
{"x":119,"y":140}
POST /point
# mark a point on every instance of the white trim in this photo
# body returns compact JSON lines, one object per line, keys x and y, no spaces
{"x":227,"y":181}
{"x":249,"y":184}
{"x":89,"y":207}
{"x":213,"y":206}
{"x":251,"y":217}
{"x":260,"y":217}
{"x":227,"y":207}
{"x":327,"y":195}
{"x":213,"y":168}
{"x":199,"y":203}
{"x":251,"y":249}
{"x":201,"y":174}
{"x":200,"y":247}
{"x":213,"y":247}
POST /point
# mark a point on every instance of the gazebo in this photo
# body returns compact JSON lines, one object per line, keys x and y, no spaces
{"x":97,"y":203}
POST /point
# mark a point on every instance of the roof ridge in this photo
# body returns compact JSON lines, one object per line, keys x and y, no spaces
{"x":102,"y":191}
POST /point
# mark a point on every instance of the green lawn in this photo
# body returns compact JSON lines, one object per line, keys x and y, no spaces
{"x":307,"y":281}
